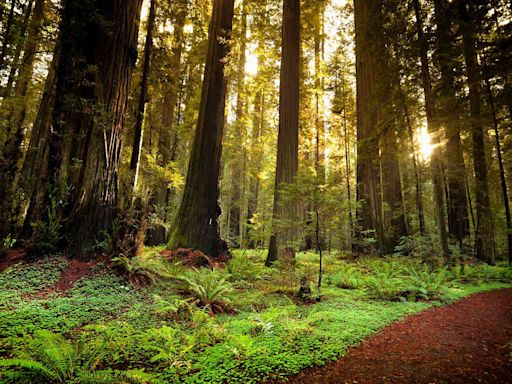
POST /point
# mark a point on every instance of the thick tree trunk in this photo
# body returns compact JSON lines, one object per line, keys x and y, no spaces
{"x":369,"y":213}
{"x":285,"y":213}
{"x":17,"y":110}
{"x":143,"y":99}
{"x":393,"y":211}
{"x":97,"y":57}
{"x":458,"y":220}
{"x":485,"y":245}
{"x":197,"y":221}
{"x":433,"y":129}
{"x":237,"y":174}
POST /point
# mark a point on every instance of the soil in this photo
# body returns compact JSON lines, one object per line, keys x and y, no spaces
{"x":189,"y":257}
{"x":74,"y":271}
{"x":10,"y":257}
{"x":466,"y":342}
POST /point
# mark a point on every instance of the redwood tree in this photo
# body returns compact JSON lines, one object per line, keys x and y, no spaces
{"x":97,"y":54}
{"x":485,"y":246}
{"x":196,"y":225}
{"x":16,"y":110}
{"x":449,"y":117}
{"x":282,"y":238}
{"x":369,"y":213}
{"x":433,"y":129}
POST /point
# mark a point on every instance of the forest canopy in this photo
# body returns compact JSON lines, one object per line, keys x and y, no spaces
{"x":216,"y":125}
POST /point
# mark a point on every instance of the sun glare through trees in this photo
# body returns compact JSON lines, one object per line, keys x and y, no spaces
{"x":233,"y":191}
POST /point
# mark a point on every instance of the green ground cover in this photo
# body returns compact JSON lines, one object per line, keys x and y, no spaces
{"x":240,"y":324}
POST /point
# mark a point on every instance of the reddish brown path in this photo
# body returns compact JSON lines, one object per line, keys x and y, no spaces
{"x":462,"y":343}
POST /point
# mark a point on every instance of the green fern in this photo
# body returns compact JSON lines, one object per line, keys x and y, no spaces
{"x":142,"y":270}
{"x":50,"y":358}
{"x":174,"y":308}
{"x":208,"y":287}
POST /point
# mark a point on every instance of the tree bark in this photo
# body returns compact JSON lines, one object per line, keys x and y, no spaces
{"x":168,"y":137}
{"x":285,"y":213}
{"x":433,"y":129}
{"x":369,"y":214}
{"x":96,"y":60}
{"x":417,"y":172}
{"x":197,"y":222}
{"x":254,"y":184}
{"x":449,"y":118}
{"x":143,"y":99}
{"x":503,"y":180}
{"x":7,"y":35}
{"x":237,"y":174}
{"x":36,"y":158}
{"x":6,"y":92}
{"x":15,"y":119}
{"x":485,"y":243}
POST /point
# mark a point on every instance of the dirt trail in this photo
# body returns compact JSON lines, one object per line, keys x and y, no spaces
{"x":464,"y":343}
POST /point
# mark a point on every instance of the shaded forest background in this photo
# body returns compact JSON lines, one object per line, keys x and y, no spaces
{"x":124,"y":122}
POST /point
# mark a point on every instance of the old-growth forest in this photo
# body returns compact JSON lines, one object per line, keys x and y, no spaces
{"x":255,"y":191}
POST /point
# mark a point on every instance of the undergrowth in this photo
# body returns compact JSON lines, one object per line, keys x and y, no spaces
{"x":240,"y":324}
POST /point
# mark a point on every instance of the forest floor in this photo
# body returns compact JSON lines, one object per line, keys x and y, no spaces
{"x":255,"y":328}
{"x":465,"y":342}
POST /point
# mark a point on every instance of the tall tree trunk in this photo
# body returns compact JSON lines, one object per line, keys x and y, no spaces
{"x":503,"y":180}
{"x":36,"y":158}
{"x":143,"y":99}
{"x":392,"y":210}
{"x":197,"y":221}
{"x":285,"y":213}
{"x":7,"y":35}
{"x":417,"y":171}
{"x":485,"y":246}
{"x":369,"y":214}
{"x":348,"y":172}
{"x":6,"y":92}
{"x":433,"y":129}
{"x":237,"y":174}
{"x":168,"y":137}
{"x":458,"y":220}
{"x":17,"y":110}
{"x":254,"y":187}
{"x":96,"y":60}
